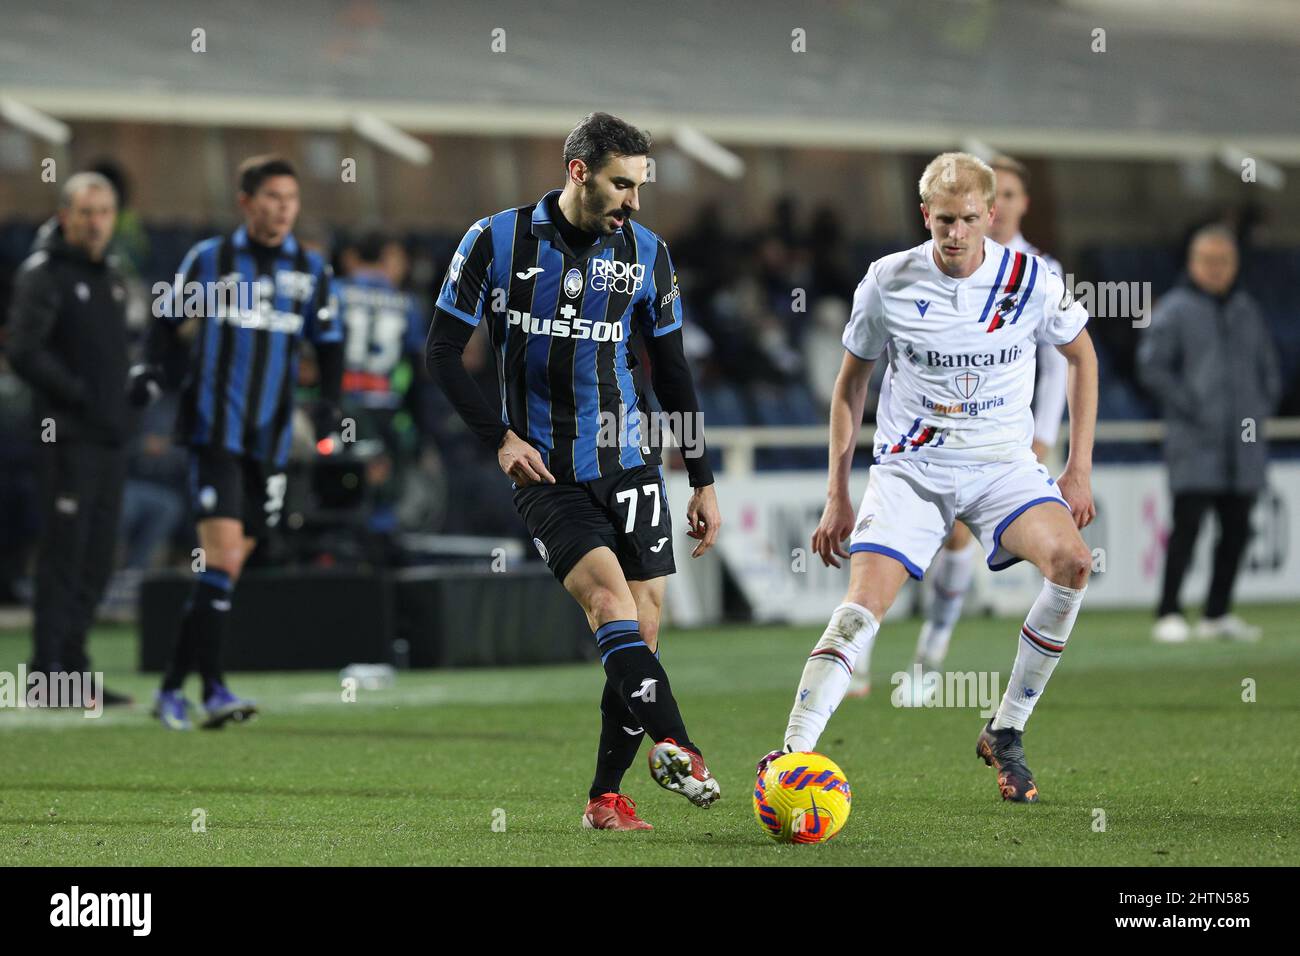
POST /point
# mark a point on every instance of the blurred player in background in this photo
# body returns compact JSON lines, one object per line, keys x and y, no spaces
{"x":960,"y":317}
{"x":564,"y":284}
{"x":383,"y":327}
{"x":953,"y":569}
{"x":250,"y":298}
{"x":381,"y":323}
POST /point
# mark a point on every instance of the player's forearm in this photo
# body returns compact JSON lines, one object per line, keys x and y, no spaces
{"x":444,"y":350}
{"x":675,"y":387}
{"x":847,"y":402}
{"x":1082,"y":398}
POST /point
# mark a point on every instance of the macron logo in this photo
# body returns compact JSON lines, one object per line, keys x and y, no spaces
{"x":529,"y":274}
{"x":103,"y":909}
{"x":921,"y":306}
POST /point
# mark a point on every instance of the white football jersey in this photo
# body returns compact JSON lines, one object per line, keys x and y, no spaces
{"x":961,"y":351}
{"x":1049,"y":388}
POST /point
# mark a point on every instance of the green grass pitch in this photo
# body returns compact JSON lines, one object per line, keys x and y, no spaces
{"x":1158,"y":738}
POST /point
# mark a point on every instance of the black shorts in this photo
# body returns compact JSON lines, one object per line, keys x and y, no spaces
{"x":225,"y":485}
{"x":626,"y":512}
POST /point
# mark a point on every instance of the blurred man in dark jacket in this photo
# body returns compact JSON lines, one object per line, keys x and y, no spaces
{"x":67,"y":339}
{"x":1209,"y":360}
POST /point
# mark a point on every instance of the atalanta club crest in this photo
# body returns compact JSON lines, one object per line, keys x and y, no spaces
{"x":572,"y":283}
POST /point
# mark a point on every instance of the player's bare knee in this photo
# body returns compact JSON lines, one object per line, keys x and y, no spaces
{"x":876,"y":605}
{"x":1071,"y":565}
{"x":602,"y":604}
{"x":229,"y":560}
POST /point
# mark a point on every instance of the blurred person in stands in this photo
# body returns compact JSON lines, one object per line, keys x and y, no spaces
{"x":68,"y":341}
{"x":252,"y":297}
{"x":1209,"y":360}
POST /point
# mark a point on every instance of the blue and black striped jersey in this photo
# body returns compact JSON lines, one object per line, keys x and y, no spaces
{"x":560,"y":324}
{"x":381,"y":325}
{"x":244,"y":361}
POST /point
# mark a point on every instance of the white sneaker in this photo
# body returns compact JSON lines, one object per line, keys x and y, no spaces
{"x":1229,"y":627}
{"x":1171,"y":629}
{"x":859,"y":685}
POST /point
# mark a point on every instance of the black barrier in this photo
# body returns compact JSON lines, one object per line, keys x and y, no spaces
{"x":456,"y":618}
{"x":313,"y":619}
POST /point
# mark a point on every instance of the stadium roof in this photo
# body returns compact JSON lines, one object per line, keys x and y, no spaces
{"x":899,"y":74}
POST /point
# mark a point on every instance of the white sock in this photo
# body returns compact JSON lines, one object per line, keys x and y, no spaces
{"x":950,"y":575}
{"x":1042,"y":639}
{"x":849,"y":635}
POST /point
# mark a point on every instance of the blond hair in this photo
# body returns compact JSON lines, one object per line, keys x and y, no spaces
{"x":956,"y":173}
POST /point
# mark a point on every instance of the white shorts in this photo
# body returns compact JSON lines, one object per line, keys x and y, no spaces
{"x":909,"y":507}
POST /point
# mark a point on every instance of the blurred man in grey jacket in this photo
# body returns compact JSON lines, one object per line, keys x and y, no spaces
{"x":1209,"y":360}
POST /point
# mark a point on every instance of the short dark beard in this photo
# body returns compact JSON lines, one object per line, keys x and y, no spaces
{"x":593,"y":209}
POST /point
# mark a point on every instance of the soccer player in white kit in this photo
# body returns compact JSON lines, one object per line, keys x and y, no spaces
{"x":960,"y":317}
{"x":952,"y":572}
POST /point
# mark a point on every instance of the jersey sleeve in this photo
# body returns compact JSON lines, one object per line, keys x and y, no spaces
{"x":321,"y":312}
{"x":660,"y":308}
{"x":1063,"y":318}
{"x":465,"y":287}
{"x":865,"y":334}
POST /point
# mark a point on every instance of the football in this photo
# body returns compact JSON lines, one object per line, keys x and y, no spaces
{"x":802,"y":798}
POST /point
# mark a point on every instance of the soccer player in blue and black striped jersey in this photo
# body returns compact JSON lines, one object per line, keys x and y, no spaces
{"x":252,"y":296}
{"x":563,"y":285}
{"x":382,"y":324}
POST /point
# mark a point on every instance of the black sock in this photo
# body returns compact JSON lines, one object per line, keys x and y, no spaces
{"x":618,"y":747}
{"x":209,"y":611}
{"x":641,"y":681}
{"x":182,"y":661}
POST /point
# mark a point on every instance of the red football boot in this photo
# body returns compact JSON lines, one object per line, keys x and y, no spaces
{"x":612,"y":811}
